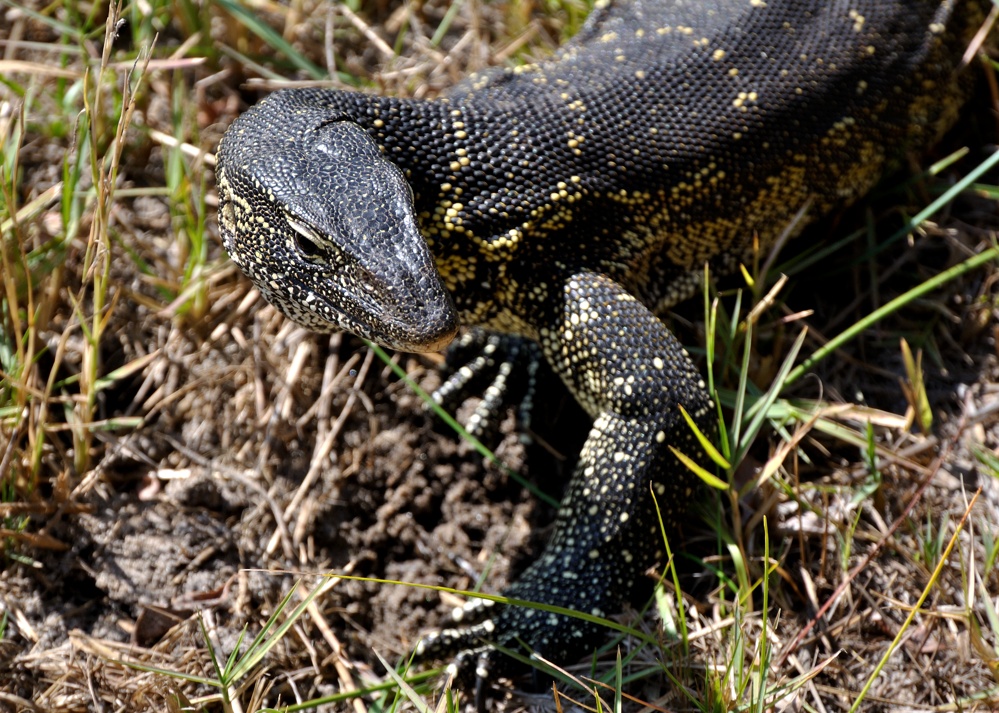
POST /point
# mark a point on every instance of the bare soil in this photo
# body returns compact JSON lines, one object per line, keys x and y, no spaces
{"x":266,"y":455}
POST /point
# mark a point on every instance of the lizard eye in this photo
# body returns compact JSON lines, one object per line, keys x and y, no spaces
{"x":306,"y":240}
{"x":306,"y":246}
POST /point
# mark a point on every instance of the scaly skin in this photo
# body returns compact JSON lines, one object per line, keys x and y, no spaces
{"x":570,"y":201}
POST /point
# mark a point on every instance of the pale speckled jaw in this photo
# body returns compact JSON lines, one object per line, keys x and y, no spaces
{"x":324,"y":226}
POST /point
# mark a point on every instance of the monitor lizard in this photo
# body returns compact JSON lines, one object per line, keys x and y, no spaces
{"x":572,"y":200}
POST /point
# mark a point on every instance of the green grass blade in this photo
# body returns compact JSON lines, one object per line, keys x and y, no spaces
{"x":705,"y":442}
{"x":972,"y":263}
{"x":708,"y":478}
{"x":934,"y":577}
{"x":264,"y":31}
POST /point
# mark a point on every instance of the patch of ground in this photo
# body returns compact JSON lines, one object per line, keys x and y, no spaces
{"x":263,"y":454}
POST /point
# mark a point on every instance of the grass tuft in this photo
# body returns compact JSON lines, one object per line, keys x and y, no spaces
{"x":169,"y":444}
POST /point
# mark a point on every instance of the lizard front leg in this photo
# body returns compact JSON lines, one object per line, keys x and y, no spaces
{"x":631,"y":374}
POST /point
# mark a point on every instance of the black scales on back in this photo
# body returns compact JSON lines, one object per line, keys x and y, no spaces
{"x":570,"y":200}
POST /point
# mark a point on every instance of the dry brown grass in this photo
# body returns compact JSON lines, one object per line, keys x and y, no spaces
{"x":170,"y":445}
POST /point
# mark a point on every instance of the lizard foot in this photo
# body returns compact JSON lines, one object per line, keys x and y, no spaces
{"x":508,"y":364}
{"x":484,"y":629}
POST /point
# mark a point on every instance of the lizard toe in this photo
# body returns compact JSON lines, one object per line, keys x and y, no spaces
{"x":500,"y":367}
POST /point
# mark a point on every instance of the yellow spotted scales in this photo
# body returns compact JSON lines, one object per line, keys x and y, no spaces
{"x":570,"y":200}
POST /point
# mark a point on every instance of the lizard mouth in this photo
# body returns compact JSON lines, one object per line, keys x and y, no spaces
{"x":422,"y":327}
{"x":434,"y":336}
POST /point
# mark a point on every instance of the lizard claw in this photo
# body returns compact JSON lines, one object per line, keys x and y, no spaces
{"x":485,"y":629}
{"x":507,"y":363}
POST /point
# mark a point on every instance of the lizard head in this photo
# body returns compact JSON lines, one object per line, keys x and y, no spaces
{"x":324,"y":226}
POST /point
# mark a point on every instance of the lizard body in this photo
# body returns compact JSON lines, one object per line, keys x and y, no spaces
{"x":571,"y":200}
